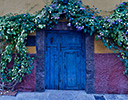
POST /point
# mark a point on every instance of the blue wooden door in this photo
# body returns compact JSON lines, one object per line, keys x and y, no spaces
{"x":64,"y":60}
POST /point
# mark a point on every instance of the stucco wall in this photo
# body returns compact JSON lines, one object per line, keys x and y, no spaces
{"x":23,"y":6}
{"x":109,"y":76}
{"x":28,"y":82}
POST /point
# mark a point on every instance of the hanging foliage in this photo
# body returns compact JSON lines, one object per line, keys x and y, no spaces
{"x":14,"y":29}
{"x":113,"y":31}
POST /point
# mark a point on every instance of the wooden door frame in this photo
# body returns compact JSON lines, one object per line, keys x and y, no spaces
{"x":40,"y":52}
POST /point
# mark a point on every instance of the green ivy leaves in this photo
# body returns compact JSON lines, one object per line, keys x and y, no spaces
{"x":14,"y":30}
{"x":114,"y":32}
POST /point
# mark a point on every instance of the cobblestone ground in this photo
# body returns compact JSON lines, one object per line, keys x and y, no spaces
{"x":64,"y":95}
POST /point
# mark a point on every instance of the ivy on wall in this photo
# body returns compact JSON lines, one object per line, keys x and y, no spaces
{"x":14,"y":29}
{"x":113,"y":30}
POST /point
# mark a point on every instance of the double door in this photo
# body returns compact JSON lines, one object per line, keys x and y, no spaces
{"x":65,"y":60}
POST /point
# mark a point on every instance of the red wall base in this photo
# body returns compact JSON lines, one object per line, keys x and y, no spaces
{"x":28,"y":83}
{"x":109,"y":76}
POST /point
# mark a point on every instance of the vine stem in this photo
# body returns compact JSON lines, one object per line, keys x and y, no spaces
{"x":5,"y":86}
{"x":2,"y":87}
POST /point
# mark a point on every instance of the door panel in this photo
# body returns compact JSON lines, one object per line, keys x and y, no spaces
{"x":64,"y":60}
{"x":50,"y":70}
{"x":70,"y":37}
{"x":51,"y":60}
{"x":70,"y":69}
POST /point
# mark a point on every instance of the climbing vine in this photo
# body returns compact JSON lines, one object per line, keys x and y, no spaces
{"x":13,"y":31}
{"x":113,"y":30}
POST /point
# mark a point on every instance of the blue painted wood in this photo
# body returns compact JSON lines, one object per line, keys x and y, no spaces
{"x":65,"y":60}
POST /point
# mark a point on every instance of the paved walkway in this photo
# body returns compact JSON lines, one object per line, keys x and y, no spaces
{"x":63,"y":95}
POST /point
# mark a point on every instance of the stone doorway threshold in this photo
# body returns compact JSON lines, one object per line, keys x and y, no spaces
{"x":64,"y":95}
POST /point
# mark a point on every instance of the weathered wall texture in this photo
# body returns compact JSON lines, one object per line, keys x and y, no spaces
{"x":28,"y":83}
{"x":100,"y":48}
{"x":23,"y":6}
{"x":109,"y":76}
{"x":104,"y":5}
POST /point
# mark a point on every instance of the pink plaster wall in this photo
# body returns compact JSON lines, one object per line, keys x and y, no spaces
{"x":109,"y":76}
{"x":28,"y":83}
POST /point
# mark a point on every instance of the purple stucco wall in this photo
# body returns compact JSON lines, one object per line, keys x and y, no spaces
{"x":109,"y":76}
{"x":28,"y":83}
